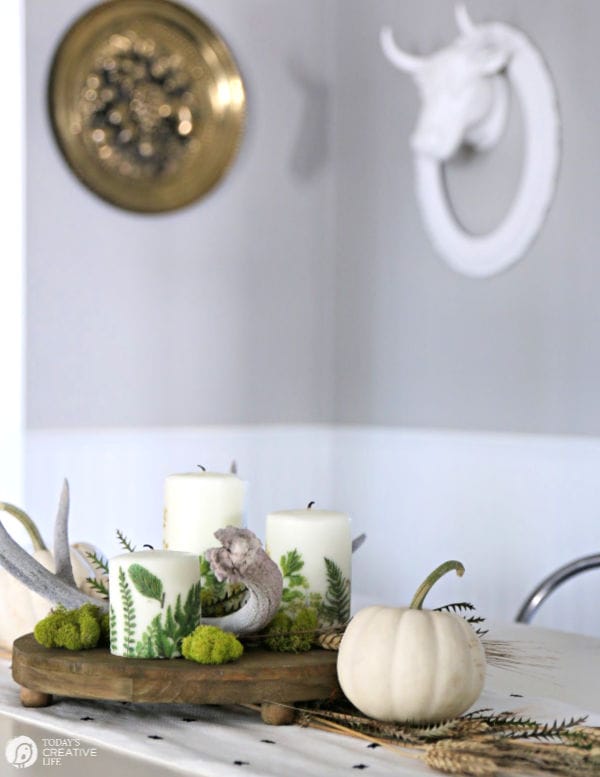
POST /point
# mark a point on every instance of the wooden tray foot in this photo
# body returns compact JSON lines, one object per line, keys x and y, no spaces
{"x":31,"y":698}
{"x":277,"y":714}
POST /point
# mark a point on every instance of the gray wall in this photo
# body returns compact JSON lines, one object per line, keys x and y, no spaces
{"x":219,"y":313}
{"x":418,"y":344}
{"x":305,"y":288}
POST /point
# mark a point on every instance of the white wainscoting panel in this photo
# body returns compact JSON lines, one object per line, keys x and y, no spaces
{"x":117,"y":476}
{"x":512,"y":508}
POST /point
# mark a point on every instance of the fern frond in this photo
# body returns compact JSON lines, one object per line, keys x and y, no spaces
{"x":124,"y":542}
{"x":291,"y":563}
{"x":98,"y":561}
{"x":128,"y":614}
{"x":533,"y":730}
{"x":455,"y":607}
{"x":113,"y":629}
{"x":336,"y":605}
{"x":98,"y":585}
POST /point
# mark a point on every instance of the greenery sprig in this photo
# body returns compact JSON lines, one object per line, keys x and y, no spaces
{"x":101,"y":564}
{"x":98,"y":586}
{"x":98,"y":561}
{"x":124,"y":542}
{"x":459,"y":607}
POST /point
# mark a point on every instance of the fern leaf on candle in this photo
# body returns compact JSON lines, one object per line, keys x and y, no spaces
{"x":128,"y":614}
{"x":146,"y":583}
{"x":164,"y":638}
{"x":291,"y":564}
{"x":113,"y":628}
{"x":336,"y":606}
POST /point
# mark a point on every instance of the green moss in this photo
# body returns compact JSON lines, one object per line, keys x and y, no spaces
{"x":211,"y":645}
{"x":79,"y":629}
{"x":105,"y":629}
{"x":287,"y":634}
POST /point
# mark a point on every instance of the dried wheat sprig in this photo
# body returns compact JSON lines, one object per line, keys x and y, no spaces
{"x":460,"y":763}
{"x":329,"y":640}
{"x":361,"y":725}
{"x":469,"y":746}
{"x":548,"y":757}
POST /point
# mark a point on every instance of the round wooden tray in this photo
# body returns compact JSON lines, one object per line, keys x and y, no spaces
{"x":259,"y":677}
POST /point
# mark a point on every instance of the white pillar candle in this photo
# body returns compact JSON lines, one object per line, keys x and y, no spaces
{"x":196,"y":505}
{"x":154,"y":602}
{"x":314,"y":551}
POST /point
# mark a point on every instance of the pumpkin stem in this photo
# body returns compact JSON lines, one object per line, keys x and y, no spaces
{"x":32,"y":529}
{"x":431,"y":580}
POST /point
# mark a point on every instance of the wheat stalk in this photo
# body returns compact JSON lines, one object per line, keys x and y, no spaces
{"x":460,"y":763}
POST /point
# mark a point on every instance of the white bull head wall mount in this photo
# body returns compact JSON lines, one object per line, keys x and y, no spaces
{"x":464,"y":91}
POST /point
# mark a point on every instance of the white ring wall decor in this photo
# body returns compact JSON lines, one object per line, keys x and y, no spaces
{"x":464,"y":101}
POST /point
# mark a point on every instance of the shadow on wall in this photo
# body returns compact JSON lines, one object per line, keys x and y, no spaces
{"x":311,"y":147}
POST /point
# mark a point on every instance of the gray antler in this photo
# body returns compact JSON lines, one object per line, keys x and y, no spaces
{"x":62,"y":553}
{"x":58,"y":589}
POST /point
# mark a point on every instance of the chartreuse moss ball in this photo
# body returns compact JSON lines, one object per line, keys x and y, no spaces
{"x":78,"y":629}
{"x":211,"y":645}
{"x":292,"y":634}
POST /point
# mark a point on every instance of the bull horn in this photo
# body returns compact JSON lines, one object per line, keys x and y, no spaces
{"x":463,"y":21}
{"x":401,"y":59}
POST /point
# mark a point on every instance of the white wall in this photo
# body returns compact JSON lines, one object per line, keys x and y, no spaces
{"x":11,"y":264}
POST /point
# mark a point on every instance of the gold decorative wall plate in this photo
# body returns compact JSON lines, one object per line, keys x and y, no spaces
{"x":147,"y":104}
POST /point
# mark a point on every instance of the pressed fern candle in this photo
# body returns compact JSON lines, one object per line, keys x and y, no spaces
{"x":154,"y":602}
{"x":313,"y":549}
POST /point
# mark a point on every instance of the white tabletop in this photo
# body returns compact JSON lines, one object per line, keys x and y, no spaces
{"x":560,"y":678}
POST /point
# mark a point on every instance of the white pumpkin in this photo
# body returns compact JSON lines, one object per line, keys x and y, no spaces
{"x":408,"y":664}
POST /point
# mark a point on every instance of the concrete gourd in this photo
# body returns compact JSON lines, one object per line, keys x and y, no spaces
{"x":409,"y":664}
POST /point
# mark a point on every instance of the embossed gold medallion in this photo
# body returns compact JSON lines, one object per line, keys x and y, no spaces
{"x":147,"y":104}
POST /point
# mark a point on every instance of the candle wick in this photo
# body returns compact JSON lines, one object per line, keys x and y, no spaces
{"x":201,"y":467}
{"x":148,"y":546}
{"x":310,"y":504}
{"x":233,"y":468}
